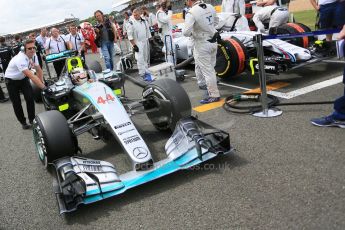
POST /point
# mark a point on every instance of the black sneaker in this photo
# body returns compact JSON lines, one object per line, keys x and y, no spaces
{"x":26,"y":126}
{"x":4,"y":100}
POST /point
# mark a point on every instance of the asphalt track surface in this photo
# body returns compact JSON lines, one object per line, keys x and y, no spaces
{"x":285,"y":174}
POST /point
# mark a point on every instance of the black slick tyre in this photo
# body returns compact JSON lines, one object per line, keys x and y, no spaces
{"x":170,"y":100}
{"x":294,"y":28}
{"x":52,"y":137}
{"x":231,"y":58}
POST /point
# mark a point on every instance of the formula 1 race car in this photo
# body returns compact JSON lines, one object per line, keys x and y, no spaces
{"x":237,"y":51}
{"x":77,"y":105}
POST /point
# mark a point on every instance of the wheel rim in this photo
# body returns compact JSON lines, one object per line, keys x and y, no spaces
{"x":39,"y":144}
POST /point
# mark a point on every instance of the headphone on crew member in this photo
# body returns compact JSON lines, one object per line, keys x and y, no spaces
{"x":25,"y":42}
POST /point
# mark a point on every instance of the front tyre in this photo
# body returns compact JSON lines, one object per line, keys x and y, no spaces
{"x":52,"y":137}
{"x":169,"y":102}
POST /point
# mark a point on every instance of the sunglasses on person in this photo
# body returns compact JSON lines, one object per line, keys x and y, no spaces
{"x":31,"y":48}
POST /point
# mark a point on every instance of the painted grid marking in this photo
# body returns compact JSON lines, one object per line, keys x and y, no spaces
{"x":307,"y":89}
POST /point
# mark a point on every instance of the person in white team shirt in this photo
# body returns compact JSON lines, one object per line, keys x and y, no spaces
{"x":56,"y":44}
{"x":163,"y":16}
{"x":200,"y":24}
{"x":273,"y":14}
{"x":139,"y":34}
{"x":76,"y":40}
{"x":17,"y":78}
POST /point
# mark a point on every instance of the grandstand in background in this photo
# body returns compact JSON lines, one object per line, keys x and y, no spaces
{"x":124,"y":5}
{"x":60,"y":25}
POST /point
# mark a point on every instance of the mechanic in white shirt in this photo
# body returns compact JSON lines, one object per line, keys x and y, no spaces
{"x":76,"y":40}
{"x":139,"y":35}
{"x":200,"y":24}
{"x":272,"y":14}
{"x":234,"y":6}
{"x":163,"y":16}
{"x":17,"y":78}
{"x":56,"y":44}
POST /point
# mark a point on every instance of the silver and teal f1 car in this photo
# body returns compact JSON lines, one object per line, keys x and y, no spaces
{"x":95,"y":108}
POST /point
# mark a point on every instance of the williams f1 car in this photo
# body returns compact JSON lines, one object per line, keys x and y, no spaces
{"x":237,"y":51}
{"x":78,"y":105}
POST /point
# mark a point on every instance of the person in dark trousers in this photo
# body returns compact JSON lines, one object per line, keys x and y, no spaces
{"x":17,"y":78}
{"x":6,"y":54}
{"x":337,"y":118}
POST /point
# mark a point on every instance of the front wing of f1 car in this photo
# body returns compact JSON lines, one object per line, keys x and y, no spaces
{"x":84,"y":181}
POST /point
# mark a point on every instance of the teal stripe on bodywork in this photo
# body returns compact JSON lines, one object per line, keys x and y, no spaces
{"x":185,"y":161}
{"x":93,"y":192}
{"x":91,"y":199}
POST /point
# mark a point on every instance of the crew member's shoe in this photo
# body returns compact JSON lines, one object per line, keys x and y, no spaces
{"x":26,"y":126}
{"x":328,"y":121}
{"x":147,"y":77}
{"x":209,"y":100}
{"x":3,"y":100}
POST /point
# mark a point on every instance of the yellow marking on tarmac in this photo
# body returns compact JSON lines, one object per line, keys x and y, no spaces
{"x":274,"y":86}
{"x":214,"y":105}
{"x":207,"y":107}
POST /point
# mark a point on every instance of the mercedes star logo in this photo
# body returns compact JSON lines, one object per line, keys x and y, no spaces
{"x":140,"y":152}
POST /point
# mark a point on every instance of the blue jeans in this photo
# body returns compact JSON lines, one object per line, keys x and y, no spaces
{"x":108,"y":53}
{"x":339,"y":105}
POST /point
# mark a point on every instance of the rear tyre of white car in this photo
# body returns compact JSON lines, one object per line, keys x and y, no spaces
{"x":171,"y":100}
{"x":294,"y":28}
{"x":52,"y":137}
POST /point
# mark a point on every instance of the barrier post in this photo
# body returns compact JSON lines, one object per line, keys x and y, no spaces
{"x":266,"y":112}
